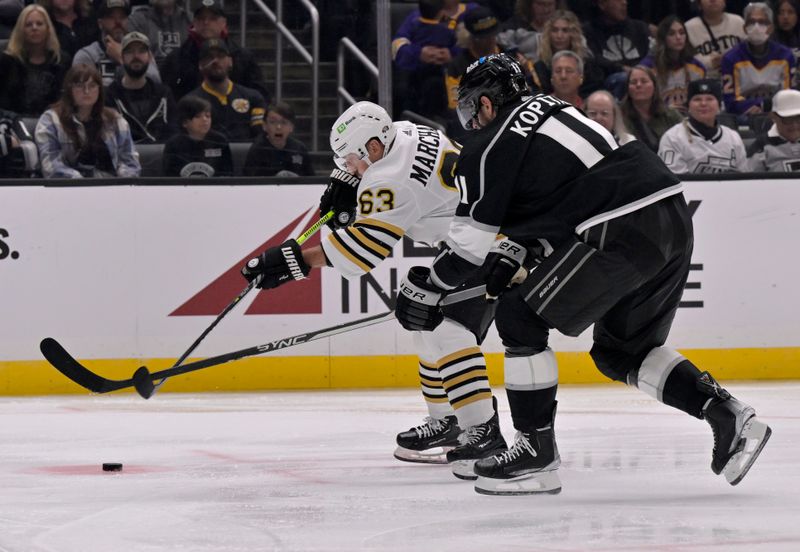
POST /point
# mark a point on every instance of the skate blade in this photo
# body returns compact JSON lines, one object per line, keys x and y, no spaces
{"x":755,"y":435}
{"x":464,"y":469}
{"x":531,"y":483}
{"x":436,"y":455}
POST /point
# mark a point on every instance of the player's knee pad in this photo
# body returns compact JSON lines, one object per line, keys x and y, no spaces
{"x":518,"y":326}
{"x":617,"y":365}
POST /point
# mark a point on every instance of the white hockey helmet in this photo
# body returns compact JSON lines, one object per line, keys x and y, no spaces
{"x":358,"y":125}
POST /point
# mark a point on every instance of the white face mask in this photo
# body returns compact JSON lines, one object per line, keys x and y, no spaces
{"x":756,"y":33}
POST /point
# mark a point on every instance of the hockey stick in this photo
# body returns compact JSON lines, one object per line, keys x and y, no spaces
{"x":145,"y":386}
{"x":74,"y":370}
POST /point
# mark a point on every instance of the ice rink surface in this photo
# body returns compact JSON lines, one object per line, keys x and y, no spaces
{"x":314,"y":471}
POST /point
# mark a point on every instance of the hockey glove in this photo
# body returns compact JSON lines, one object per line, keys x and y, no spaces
{"x":417,"y":306}
{"x":503,"y":267}
{"x":340,"y":196}
{"x":278,"y":265}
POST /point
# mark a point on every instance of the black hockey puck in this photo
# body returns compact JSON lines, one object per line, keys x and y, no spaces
{"x":112,"y":467}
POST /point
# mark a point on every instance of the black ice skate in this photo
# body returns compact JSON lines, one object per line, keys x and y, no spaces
{"x":528,"y":467}
{"x":478,"y":441}
{"x":739,"y":436}
{"x":429,"y":442}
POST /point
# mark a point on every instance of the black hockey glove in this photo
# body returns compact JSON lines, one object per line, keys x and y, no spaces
{"x":504,"y":267}
{"x":417,"y":306}
{"x":340,"y":196}
{"x":278,"y":265}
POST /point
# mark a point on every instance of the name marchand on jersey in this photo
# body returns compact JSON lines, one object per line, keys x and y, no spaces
{"x":410,"y":192}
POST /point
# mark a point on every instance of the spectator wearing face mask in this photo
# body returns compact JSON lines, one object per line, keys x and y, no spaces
{"x":779,"y":150}
{"x":754,"y":70}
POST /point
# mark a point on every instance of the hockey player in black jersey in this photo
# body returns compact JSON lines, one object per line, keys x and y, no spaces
{"x":613,"y":237}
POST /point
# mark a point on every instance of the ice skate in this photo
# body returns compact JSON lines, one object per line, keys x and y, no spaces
{"x":528,"y":467}
{"x":428,"y":443}
{"x":739,"y":437}
{"x":478,"y":441}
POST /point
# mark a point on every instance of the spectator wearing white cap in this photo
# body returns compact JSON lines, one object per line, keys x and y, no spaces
{"x":699,"y":144}
{"x":148,"y":106}
{"x":779,"y":150}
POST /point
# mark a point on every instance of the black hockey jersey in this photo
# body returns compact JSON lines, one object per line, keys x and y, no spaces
{"x":541,"y":170}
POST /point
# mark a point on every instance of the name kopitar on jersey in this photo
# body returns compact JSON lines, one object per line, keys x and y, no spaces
{"x":427,"y":150}
{"x":528,"y":118}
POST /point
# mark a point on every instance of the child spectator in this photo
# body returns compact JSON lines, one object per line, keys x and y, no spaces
{"x":33,"y":66}
{"x":674,"y":63}
{"x":74,"y":23}
{"x":699,"y":144}
{"x":644,"y":110}
{"x":147,"y":106}
{"x":275,"y":152}
{"x":713,"y":33}
{"x":198,"y":150}
{"x":602,"y":106}
{"x":80,"y":137}
{"x":779,"y":150}
{"x":754,"y":70}
{"x":165,"y":24}
{"x":237,"y":111}
{"x":563,"y":32}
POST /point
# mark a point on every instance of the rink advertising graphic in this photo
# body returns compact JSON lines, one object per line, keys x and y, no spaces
{"x":131,"y":275}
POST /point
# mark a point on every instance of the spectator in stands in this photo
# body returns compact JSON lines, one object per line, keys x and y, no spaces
{"x":602,"y":106}
{"x":713,"y":33}
{"x":198,"y":150}
{"x":9,"y":13}
{"x":563,"y":32}
{"x":421,"y":49}
{"x":181,"y":72}
{"x":147,"y":106}
{"x":643,"y":109}
{"x":237,"y":112}
{"x":80,"y":137}
{"x":674,"y":63}
{"x":165,"y":23}
{"x":33,"y":66}
{"x":521,"y":33}
{"x":75,"y":25}
{"x":481,"y":26}
{"x":787,"y":30}
{"x":19,"y":157}
{"x":617,"y":42}
{"x":275,"y":152}
{"x":567,"y":77}
{"x":699,"y":144}
{"x":753,"y":70}
{"x":779,"y":150}
{"x":106,"y":53}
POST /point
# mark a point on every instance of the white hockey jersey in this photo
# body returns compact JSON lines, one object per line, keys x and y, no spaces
{"x":724,"y":36}
{"x":411,"y":191}
{"x":685,"y":150}
{"x":774,"y":154}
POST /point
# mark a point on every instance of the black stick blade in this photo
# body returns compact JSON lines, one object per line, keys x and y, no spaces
{"x":143,"y":382}
{"x":74,"y":370}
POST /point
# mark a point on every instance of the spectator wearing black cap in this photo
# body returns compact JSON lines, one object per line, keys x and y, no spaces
{"x":147,"y":106}
{"x":181,"y":72}
{"x":106,"y":53}
{"x":166,"y":25}
{"x":237,"y":111}
{"x":196,"y":150}
{"x":275,"y":152}
{"x":779,"y":150}
{"x":700,"y":144}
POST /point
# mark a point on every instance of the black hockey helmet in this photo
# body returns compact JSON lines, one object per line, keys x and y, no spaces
{"x":498,"y":77}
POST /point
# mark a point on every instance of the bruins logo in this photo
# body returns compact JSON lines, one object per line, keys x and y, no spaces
{"x":241,"y":105}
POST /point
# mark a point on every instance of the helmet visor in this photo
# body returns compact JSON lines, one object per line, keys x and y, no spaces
{"x":467,"y":110}
{"x":348,"y":163}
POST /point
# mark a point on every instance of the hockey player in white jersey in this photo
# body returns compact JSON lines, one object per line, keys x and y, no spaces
{"x":699,"y":144}
{"x":407,"y":188}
